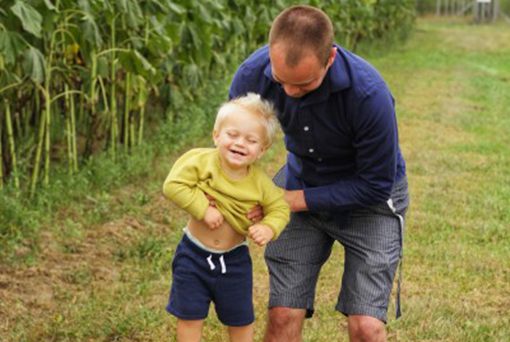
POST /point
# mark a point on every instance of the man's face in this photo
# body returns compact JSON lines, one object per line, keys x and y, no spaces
{"x":303,"y":78}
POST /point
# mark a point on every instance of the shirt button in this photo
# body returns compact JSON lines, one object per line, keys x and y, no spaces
{"x":306,"y":128}
{"x":311,"y":150}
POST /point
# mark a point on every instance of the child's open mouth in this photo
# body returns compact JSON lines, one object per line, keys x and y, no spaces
{"x":238,"y":153}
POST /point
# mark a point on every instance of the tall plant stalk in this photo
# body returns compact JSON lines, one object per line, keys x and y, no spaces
{"x":12,"y":147}
{"x":141,"y":101}
{"x":127,"y":108}
{"x":113,"y":98}
{"x":70,"y":130}
{"x":35,"y":172}
{"x":1,"y":157}
{"x":132,"y":141}
{"x":45,"y":123}
{"x":73,"y":134}
{"x":140,"y":125}
{"x":68,"y":139}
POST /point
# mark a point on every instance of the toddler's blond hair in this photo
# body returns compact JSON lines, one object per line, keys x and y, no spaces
{"x":254,"y":104}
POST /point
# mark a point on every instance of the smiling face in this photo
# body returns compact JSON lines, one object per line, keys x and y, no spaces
{"x":306,"y":76}
{"x":241,"y":139}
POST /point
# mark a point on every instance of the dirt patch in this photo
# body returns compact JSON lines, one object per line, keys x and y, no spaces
{"x":67,"y":268}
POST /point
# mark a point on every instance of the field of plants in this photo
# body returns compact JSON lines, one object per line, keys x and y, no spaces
{"x":97,"y":98}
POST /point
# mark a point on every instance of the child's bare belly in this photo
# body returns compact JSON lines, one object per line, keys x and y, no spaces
{"x":222,"y":238}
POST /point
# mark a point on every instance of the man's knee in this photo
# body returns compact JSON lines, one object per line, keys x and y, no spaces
{"x":366,"y":328}
{"x":285,"y":324}
{"x":284,"y":316}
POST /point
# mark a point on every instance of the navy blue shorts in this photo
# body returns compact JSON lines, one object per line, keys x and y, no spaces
{"x":200,"y":277}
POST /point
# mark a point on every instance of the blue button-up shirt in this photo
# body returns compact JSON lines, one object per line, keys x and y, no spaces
{"x":341,"y":138}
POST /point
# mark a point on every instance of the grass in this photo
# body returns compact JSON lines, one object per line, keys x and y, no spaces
{"x":98,"y":267}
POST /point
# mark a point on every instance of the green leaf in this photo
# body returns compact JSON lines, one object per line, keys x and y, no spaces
{"x":11,"y":46}
{"x":176,"y":8}
{"x":91,"y":30}
{"x":103,"y":69}
{"x":203,"y":13}
{"x":29,"y":17}
{"x":134,"y":62}
{"x":133,"y":11}
{"x":153,"y":7}
{"x":34,"y":64}
{"x":145,"y":63}
{"x":49,"y":5}
{"x":142,"y":90}
{"x":8,"y":77}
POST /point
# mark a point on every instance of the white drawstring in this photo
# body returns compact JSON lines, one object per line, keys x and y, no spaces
{"x":223,"y":266}
{"x":222,"y":263}
{"x":211,"y":264}
{"x":401,"y":256}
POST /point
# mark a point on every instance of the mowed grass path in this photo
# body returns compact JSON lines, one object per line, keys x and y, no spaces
{"x":103,"y":269}
{"x":452,"y":85}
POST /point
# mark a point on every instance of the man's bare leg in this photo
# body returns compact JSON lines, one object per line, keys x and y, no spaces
{"x":365,"y":329}
{"x":284,"y":324}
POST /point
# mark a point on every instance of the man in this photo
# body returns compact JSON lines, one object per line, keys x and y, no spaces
{"x":344,"y":177}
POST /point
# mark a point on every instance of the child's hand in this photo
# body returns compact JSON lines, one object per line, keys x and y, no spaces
{"x":260,"y":234}
{"x":213,"y":218}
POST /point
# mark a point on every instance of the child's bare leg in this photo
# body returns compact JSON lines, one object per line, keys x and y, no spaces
{"x":241,"y":334}
{"x":189,"y":330}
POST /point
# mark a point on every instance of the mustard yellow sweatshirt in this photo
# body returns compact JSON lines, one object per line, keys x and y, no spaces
{"x":198,"y":171}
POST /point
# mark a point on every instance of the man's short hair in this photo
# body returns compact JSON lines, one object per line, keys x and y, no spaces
{"x":253,"y":103}
{"x":302,"y":29}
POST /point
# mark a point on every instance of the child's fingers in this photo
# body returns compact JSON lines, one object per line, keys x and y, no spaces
{"x":258,"y":239}
{"x":254,"y":233}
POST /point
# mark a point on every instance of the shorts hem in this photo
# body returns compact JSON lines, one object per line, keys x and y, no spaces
{"x":365,"y":310}
{"x":291,"y":302}
{"x":237,"y":324}
{"x":185,"y":317}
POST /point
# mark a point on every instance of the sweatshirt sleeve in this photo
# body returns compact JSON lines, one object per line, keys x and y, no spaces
{"x":276,"y":210}
{"x":181,"y":188}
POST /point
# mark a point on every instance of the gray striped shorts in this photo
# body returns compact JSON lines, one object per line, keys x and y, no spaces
{"x":372,"y":239}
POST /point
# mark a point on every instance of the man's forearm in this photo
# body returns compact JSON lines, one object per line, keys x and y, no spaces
{"x":296,"y":200}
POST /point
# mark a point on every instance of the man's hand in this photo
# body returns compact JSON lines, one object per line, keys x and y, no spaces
{"x":296,"y":200}
{"x":256,"y":214}
{"x":260,"y":234}
{"x":213,"y":218}
{"x":212,"y":201}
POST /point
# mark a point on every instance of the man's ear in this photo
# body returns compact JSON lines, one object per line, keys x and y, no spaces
{"x":332,"y":55}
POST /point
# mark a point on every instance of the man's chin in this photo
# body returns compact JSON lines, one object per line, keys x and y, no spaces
{"x":297,"y":96}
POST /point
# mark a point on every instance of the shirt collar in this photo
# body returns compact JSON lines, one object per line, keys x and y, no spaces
{"x":336,"y":79}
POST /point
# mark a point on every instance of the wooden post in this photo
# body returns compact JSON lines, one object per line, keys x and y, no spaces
{"x":495,"y":10}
